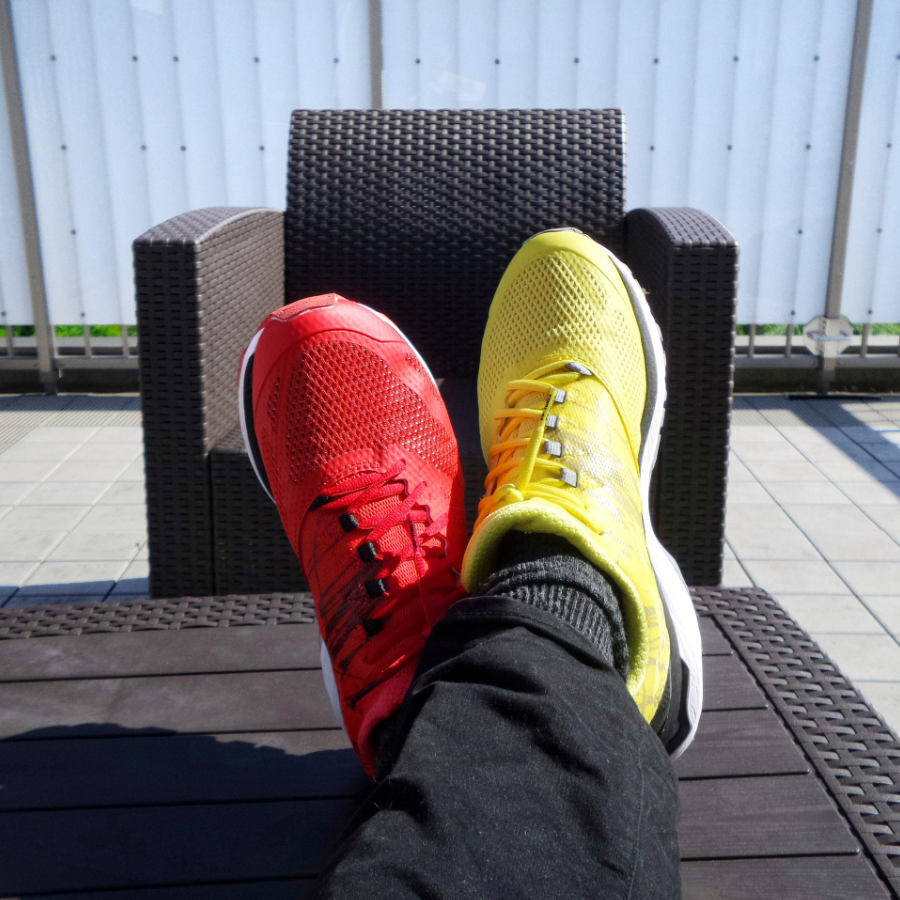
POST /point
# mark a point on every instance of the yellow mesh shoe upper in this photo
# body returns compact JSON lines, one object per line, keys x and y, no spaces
{"x":562,"y":391}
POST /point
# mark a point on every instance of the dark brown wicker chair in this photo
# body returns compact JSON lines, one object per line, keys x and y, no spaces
{"x":415,"y":213}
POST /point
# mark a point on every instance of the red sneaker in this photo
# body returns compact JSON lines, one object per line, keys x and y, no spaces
{"x":348,"y":434}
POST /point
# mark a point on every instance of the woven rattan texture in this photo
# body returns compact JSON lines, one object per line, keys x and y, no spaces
{"x":417,"y":212}
{"x":849,"y":744}
{"x":157,"y":615}
{"x":252,"y":553}
{"x":687,"y":262}
{"x":204,"y":281}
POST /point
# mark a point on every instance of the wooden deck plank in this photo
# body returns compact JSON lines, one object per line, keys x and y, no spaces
{"x":181,"y":651}
{"x":100,"y":772}
{"x":259,"y":781}
{"x":132,"y":847}
{"x":249,"y":701}
{"x":726,"y":685}
{"x":781,"y":815}
{"x":741,"y":742}
{"x":809,"y":878}
{"x":712,"y":640}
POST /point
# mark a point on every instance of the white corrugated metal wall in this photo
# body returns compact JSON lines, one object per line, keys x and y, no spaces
{"x":139,"y":109}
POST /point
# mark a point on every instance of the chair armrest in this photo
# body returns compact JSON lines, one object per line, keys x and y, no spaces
{"x":687,"y":262}
{"x":204,"y":280}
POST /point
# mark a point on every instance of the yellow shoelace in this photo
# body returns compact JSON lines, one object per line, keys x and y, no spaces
{"x":524,"y":466}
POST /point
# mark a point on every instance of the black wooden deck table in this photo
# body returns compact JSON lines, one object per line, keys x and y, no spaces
{"x":186,"y":748}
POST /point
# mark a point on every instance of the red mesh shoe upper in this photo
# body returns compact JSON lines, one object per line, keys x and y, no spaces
{"x":364,"y":468}
{"x":343,"y":397}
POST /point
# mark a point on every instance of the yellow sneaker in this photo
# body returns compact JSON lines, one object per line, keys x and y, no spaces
{"x":571,"y":390}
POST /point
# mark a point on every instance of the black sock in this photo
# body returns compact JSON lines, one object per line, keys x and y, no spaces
{"x":546,"y":571}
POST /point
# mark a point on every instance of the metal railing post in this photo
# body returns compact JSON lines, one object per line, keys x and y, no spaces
{"x":25,"y":186}
{"x":834,"y":295}
{"x":376,"y":54}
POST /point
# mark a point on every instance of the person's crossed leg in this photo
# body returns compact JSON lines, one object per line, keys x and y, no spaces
{"x":518,"y":728}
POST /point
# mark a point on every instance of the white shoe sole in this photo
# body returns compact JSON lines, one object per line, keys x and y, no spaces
{"x":672,"y":587}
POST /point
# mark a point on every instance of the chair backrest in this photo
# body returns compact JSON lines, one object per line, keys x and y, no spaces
{"x":418,"y":212}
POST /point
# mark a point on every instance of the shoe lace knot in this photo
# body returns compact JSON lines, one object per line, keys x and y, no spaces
{"x":398,"y":527}
{"x":525,"y":459}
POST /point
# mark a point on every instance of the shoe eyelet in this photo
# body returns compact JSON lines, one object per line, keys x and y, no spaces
{"x":367,"y":552}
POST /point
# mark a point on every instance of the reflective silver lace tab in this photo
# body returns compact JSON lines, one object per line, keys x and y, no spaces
{"x":559,"y":396}
{"x":553,"y":448}
{"x":552,"y":422}
{"x":579,"y":368}
{"x":569,"y":476}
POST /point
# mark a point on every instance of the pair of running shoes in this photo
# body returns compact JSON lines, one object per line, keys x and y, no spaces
{"x":348,"y":434}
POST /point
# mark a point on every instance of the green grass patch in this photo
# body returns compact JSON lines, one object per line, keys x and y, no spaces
{"x":877,"y":328}
{"x":72,"y":330}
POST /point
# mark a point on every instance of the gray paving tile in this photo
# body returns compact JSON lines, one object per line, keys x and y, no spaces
{"x":15,"y":491}
{"x":868,"y":579}
{"x":763,"y":433}
{"x":746,"y":416}
{"x":29,"y":533}
{"x":95,"y":449}
{"x":25,"y":470}
{"x":835,"y":414}
{"x":764,"y":531}
{"x":37,"y":451}
{"x":784,"y":413}
{"x":862,"y":656}
{"x":887,"y":517}
{"x":9,"y":436}
{"x":810,"y":492}
{"x":88,"y":470}
{"x":872,"y":493}
{"x":106,"y":533}
{"x":886,"y":609}
{"x":52,"y":578}
{"x":873,"y":433}
{"x":884,"y":698}
{"x":884,"y":452}
{"x":831,"y":613}
{"x":144,"y":552}
{"x":130,"y":418}
{"x":737,"y":471}
{"x":838,"y":453}
{"x":134,"y":471}
{"x":59,"y":434}
{"x":733,"y":574}
{"x":82,"y":417}
{"x":779,"y":576}
{"x":842,"y":531}
{"x":12,"y":574}
{"x":807,"y":435}
{"x":855,"y":470}
{"x":772,"y":470}
{"x":782,"y":451}
{"x":128,"y":588}
{"x":122,"y":433}
{"x":135,"y":579}
{"x":124,"y":492}
{"x":747,"y":492}
{"x":64,"y":493}
{"x":41,"y":402}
